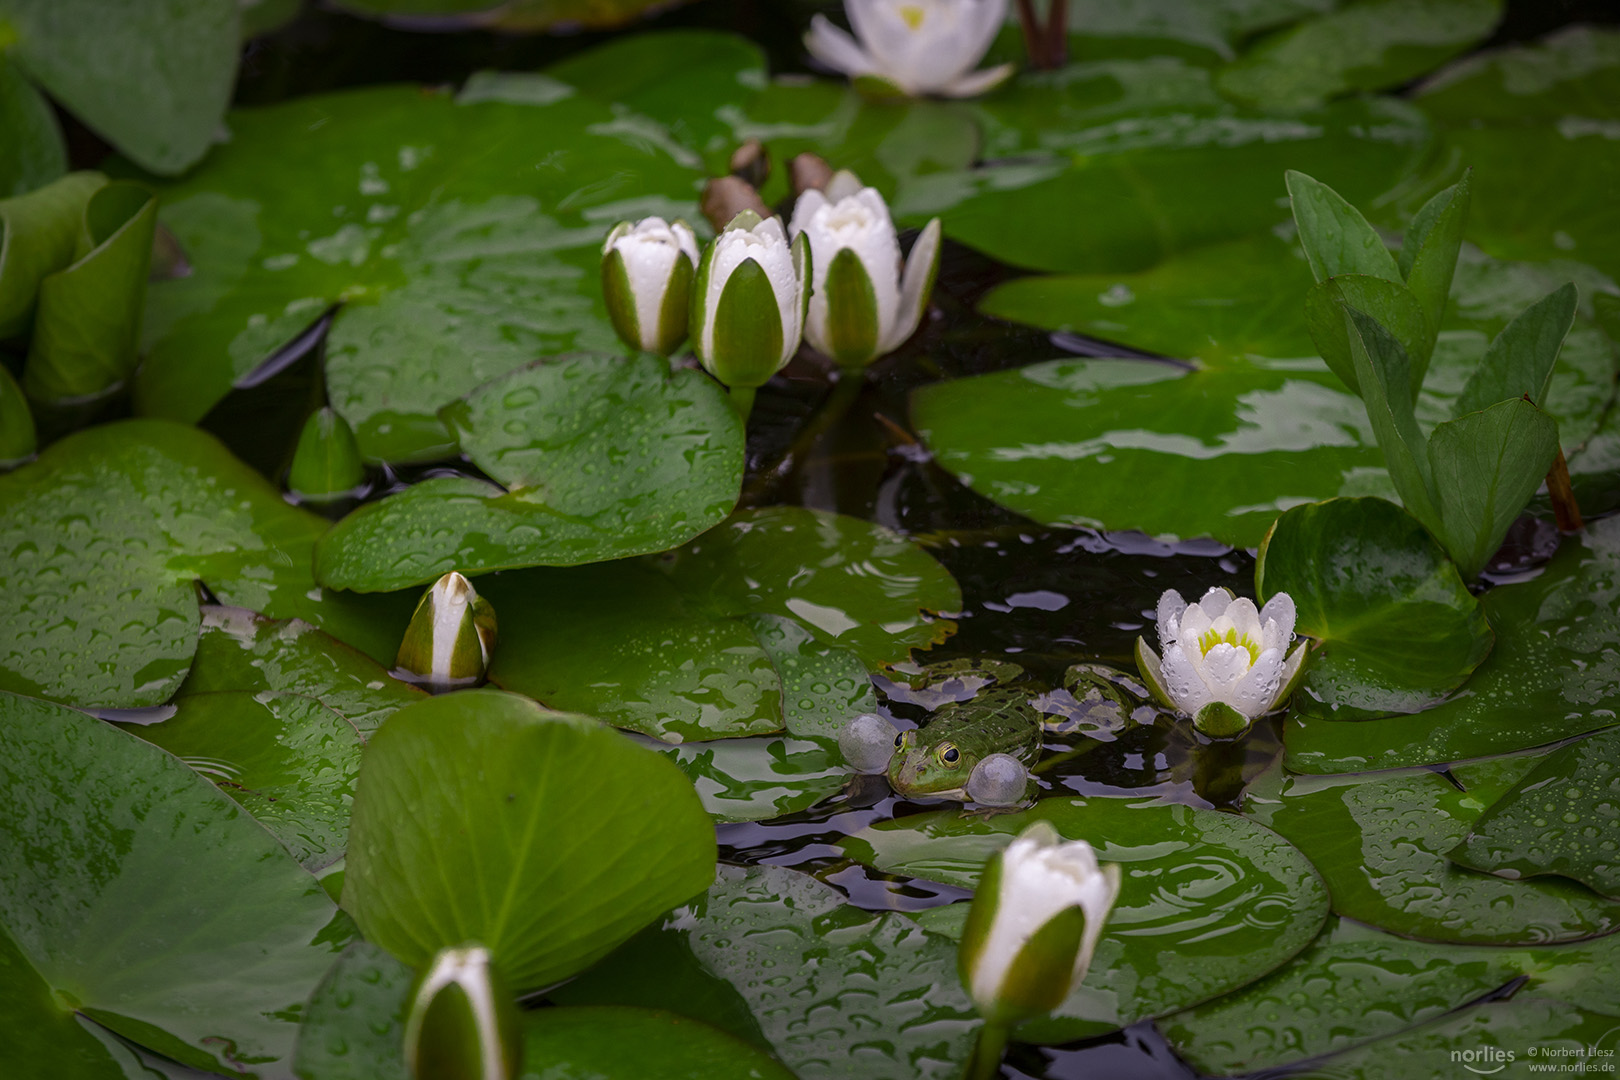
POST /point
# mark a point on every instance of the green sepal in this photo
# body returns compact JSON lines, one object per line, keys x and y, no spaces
{"x":852,"y":315}
{"x":673,"y":307}
{"x":747,"y":328}
{"x":1038,"y":979}
{"x":474,"y":632}
{"x":745,"y":220}
{"x":1428,"y":258}
{"x":39,"y":233}
{"x":462,"y":1032}
{"x":697,"y":309}
{"x":1152,"y":671}
{"x":326,"y":464}
{"x":1219,"y":720}
{"x":802,"y":266}
{"x":620,"y":301}
{"x":18,"y":439}
{"x":1300,"y":659}
{"x":981,"y":916}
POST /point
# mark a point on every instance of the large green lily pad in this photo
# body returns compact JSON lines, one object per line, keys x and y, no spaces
{"x":354,"y":1025}
{"x":510,"y":15}
{"x":599,"y":457}
{"x":1550,"y":676}
{"x":105,"y":538}
{"x":1209,"y":901}
{"x":1381,"y":843}
{"x":615,"y":1042}
{"x":759,"y":625}
{"x":900,"y":1010}
{"x":109,"y":848}
{"x":448,"y":274}
{"x":1205,"y":31}
{"x":1574,"y":71}
{"x":759,"y":778}
{"x":550,"y":838}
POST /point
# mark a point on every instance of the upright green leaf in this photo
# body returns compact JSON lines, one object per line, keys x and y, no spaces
{"x":35,"y":151}
{"x":38,"y":234}
{"x":1519,"y":362}
{"x":1383,"y":371}
{"x":1428,"y":259}
{"x":1392,"y":304}
{"x":18,"y":437}
{"x":1336,"y":238}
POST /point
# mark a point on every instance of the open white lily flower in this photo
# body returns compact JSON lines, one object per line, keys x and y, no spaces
{"x":1223,"y":659}
{"x":1034,"y":924}
{"x":450,"y":638}
{"x":862,"y":305}
{"x":914,"y":47}
{"x":749,"y":300}
{"x":647,"y":271}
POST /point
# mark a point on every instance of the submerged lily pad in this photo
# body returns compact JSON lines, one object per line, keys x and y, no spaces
{"x":1550,"y":675}
{"x":1209,"y":901}
{"x":354,"y":1026}
{"x":902,"y":1010}
{"x":550,"y":838}
{"x":600,"y":458}
{"x":1381,"y":843}
{"x":448,"y":275}
{"x":107,"y":846}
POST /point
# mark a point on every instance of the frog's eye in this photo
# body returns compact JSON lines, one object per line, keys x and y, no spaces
{"x":949,"y":754}
{"x":899,"y":738}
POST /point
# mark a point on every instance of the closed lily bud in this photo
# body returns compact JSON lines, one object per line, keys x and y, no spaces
{"x":18,"y":439}
{"x":862,"y":305}
{"x":462,"y":1023}
{"x":450,"y":638}
{"x":1034,"y":925}
{"x":749,"y":300}
{"x":326,"y":465}
{"x":647,"y":273}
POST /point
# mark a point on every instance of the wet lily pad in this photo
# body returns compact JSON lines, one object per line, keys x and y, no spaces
{"x":913,"y":1018}
{"x":760,"y":625}
{"x":1563,"y":818}
{"x":759,"y":778}
{"x":608,"y":1042}
{"x":1381,"y":843}
{"x":107,"y":845}
{"x":600,"y":458}
{"x":448,"y":275}
{"x":354,"y":1026}
{"x":1550,"y":676}
{"x":550,"y":838}
{"x":105,"y":537}
{"x":1209,"y":903}
{"x":1396,"y":627}
{"x":1572,"y":72}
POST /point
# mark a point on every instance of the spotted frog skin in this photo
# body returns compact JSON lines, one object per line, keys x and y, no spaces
{"x":940,"y":758}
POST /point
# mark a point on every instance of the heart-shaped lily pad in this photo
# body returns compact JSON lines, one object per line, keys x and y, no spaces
{"x":1381,"y":843}
{"x":108,"y":849}
{"x":550,"y":838}
{"x":913,"y":1018}
{"x":600,"y":458}
{"x":448,"y":275}
{"x":1205,"y":31}
{"x":1550,"y":675}
{"x":1209,"y":901}
{"x":757,"y":626}
{"x":1396,"y":627}
{"x":106,"y":536}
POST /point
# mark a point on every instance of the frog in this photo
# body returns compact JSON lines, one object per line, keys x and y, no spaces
{"x":979,"y":750}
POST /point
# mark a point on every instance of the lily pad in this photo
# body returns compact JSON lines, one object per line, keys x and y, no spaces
{"x":354,"y":1026}
{"x":759,"y":778}
{"x":760,"y":625}
{"x":1206,"y":31}
{"x":1381,"y":843}
{"x":448,"y":275}
{"x":106,"y":535}
{"x":615,"y":1042}
{"x":1563,"y":818}
{"x":510,"y":15}
{"x":901,"y":1010}
{"x":599,"y":457}
{"x":548,"y":837}
{"x":1574,"y":71}
{"x":1209,"y":902}
{"x":36,"y":153}
{"x":107,"y":844}
{"x":1550,"y":676}
{"x":1395,"y":626}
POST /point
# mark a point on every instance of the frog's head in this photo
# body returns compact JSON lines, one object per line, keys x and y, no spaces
{"x":921,"y":767}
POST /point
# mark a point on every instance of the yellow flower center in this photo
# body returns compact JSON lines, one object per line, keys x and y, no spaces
{"x":1211,"y":638}
{"x":912,"y":14}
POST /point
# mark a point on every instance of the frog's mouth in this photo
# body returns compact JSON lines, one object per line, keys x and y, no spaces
{"x":915,"y":769}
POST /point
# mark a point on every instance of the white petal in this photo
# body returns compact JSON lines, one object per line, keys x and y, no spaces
{"x":859,"y":223}
{"x":844,"y":184}
{"x":1171,"y":606}
{"x":1222,"y":667}
{"x":914,"y":286}
{"x":1215,"y":601}
{"x":687,"y":240}
{"x":1194,"y":621}
{"x":1281,"y":608}
{"x":805,"y":209}
{"x":978,"y":82}
{"x":1182,"y":681}
{"x":1254,"y":693}
{"x":1244,"y":617}
{"x":649,"y":252}
{"x":836,"y":49}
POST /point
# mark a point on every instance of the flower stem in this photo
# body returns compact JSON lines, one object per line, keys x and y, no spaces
{"x":742,"y":399}
{"x":987,"y":1051}
{"x":1562,"y":496}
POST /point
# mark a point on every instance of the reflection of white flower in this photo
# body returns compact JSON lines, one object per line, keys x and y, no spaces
{"x":1223,"y":659}
{"x":862,"y":305}
{"x":647,"y":273}
{"x":1034,"y":924}
{"x":917,"y":46}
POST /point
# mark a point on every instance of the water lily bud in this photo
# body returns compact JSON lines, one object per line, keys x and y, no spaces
{"x":1034,"y":924}
{"x":462,"y":1023}
{"x":647,"y":273}
{"x":450,"y":638}
{"x":326,"y":465}
{"x":913,"y":47}
{"x":1223,"y":661}
{"x":18,"y":439}
{"x":862,"y":305}
{"x":748,"y":304}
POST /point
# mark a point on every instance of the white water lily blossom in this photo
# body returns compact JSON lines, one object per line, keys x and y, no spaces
{"x":917,"y":47}
{"x":647,"y":271}
{"x":1224,"y":660}
{"x":1034,"y":924}
{"x":748,"y":302}
{"x":862,"y":305}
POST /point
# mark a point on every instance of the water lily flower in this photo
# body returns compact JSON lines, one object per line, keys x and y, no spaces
{"x":861,"y":304}
{"x":748,"y":304}
{"x":1223,"y":659}
{"x":326,"y":466}
{"x":913,"y":47}
{"x":647,"y":271}
{"x":1034,"y":924}
{"x":462,"y":1021}
{"x":450,"y":638}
